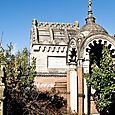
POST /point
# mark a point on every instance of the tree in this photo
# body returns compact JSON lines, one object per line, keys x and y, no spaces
{"x":102,"y":79}
{"x":21,"y":96}
{"x":18,"y":80}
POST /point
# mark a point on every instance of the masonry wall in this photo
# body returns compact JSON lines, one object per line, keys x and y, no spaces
{"x":48,"y":44}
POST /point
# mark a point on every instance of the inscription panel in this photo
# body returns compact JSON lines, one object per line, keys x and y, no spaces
{"x":56,"y":62}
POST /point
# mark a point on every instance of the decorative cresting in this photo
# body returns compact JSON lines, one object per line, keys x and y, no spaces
{"x":72,"y":52}
{"x":56,"y":25}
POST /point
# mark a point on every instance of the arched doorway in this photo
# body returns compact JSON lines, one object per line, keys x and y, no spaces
{"x":91,"y":51}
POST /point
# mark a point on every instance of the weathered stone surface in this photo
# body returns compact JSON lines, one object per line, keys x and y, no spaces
{"x":58,"y":47}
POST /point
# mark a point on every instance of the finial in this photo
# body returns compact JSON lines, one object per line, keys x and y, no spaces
{"x":90,"y":8}
{"x":34,"y":22}
{"x":90,"y":18}
{"x":76,"y":23}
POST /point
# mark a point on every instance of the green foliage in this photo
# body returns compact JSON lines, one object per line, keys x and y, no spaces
{"x":102,"y":79}
{"x":19,"y":77}
{"x":22,"y":98}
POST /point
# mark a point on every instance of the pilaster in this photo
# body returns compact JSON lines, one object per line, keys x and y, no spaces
{"x":72,"y":89}
{"x":68,"y":91}
{"x":80,"y":88}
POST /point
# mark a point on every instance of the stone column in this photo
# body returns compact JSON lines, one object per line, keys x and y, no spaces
{"x":2,"y":87}
{"x":72,"y":89}
{"x":80,"y":88}
{"x":86,"y":71}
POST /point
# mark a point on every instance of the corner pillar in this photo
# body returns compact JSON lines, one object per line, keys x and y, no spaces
{"x":72,"y":89}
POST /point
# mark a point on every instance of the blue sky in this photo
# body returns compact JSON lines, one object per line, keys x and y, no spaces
{"x":16,"y":16}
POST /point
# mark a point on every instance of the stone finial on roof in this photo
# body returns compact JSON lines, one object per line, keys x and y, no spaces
{"x":90,"y":18}
{"x":34,"y":22}
{"x":90,"y":8}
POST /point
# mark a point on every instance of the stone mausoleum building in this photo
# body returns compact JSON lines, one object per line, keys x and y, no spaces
{"x":63,"y":58}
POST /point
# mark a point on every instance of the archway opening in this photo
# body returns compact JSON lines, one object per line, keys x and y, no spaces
{"x":96,"y":54}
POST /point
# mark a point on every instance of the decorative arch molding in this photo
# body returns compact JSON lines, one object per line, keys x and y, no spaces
{"x":94,"y":42}
{"x":106,"y":39}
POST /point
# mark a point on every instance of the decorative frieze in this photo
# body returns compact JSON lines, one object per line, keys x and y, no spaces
{"x":45,"y":48}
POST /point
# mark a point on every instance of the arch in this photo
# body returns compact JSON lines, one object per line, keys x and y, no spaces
{"x":94,"y":43}
{"x":96,"y":37}
{"x":91,"y":40}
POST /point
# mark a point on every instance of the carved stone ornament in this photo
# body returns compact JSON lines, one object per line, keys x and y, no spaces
{"x":72,"y":52}
{"x":80,"y":38}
